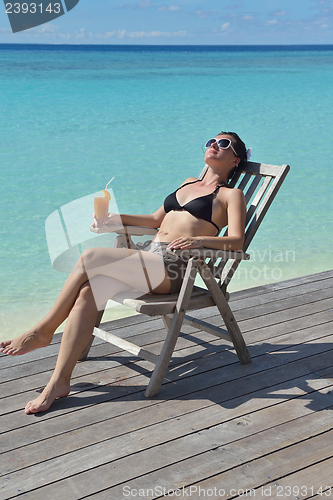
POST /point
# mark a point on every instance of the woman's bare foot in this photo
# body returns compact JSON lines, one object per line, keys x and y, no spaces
{"x":51,"y":392}
{"x":29,"y":341}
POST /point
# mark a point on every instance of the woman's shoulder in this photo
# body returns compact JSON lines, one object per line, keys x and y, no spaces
{"x":189,"y":180}
{"x":231,"y":194}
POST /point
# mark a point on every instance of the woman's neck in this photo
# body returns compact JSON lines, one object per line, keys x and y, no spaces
{"x":212,"y":178}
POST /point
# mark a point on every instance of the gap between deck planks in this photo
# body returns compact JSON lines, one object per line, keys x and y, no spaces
{"x":170,"y":389}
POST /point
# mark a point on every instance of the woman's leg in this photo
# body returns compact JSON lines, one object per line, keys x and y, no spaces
{"x":78,"y":330}
{"x":41,"y":334}
{"x":123,"y":265}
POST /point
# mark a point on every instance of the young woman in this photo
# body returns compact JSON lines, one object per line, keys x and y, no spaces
{"x":191,"y":217}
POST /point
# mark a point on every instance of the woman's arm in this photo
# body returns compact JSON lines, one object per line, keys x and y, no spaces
{"x":236,"y":211}
{"x":151,"y":220}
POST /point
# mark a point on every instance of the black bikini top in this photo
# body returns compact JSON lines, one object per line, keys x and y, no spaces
{"x":201,"y":207}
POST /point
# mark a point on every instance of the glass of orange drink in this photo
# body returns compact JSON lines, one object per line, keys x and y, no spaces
{"x":101,"y":205}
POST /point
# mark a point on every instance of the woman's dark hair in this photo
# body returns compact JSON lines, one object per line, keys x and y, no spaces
{"x":240,"y":149}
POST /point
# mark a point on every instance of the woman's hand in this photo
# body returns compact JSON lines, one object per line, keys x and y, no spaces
{"x":184,"y":243}
{"x":109,"y":220}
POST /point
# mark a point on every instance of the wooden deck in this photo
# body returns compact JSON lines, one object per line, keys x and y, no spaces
{"x":217,"y":429}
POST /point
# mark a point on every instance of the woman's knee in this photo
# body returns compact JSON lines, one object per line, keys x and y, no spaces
{"x":93,"y":258}
{"x":85,"y":260}
{"x":88,"y":256}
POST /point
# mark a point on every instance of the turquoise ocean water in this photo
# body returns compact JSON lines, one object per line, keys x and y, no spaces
{"x":73,"y":117}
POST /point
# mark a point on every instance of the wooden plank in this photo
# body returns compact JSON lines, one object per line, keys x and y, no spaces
{"x":247,"y":299}
{"x":265,"y":304}
{"x":264,"y":168}
{"x":4,"y":358}
{"x":251,"y":189}
{"x":52,"y":350}
{"x":276,"y":467}
{"x":317,"y":477}
{"x":261,"y":169}
{"x":268,"y":298}
{"x":163,"y":308}
{"x":289,"y":307}
{"x":125,"y":345}
{"x":278,"y":374}
{"x":188,"y":458}
{"x":203,"y":383}
{"x":293,"y":283}
{"x":280,"y":303}
{"x":301,"y":336}
{"x":209,"y":395}
{"x":244,"y":181}
{"x":304,"y":483}
{"x":207,"y":327}
{"x":236,"y":481}
{"x":37,"y":365}
{"x":143,"y":324}
{"x":291,"y":411}
{"x":286,"y":327}
{"x":255,"y":203}
{"x":273,"y":188}
{"x":268,"y":327}
{"x":207,"y":417}
{"x":277,"y":322}
{"x":181,"y":404}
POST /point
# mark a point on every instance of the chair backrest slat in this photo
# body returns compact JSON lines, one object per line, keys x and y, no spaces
{"x":265,"y":204}
{"x":233,"y":182}
{"x":260,"y":183}
{"x":251,"y":189}
{"x":244,"y":182}
{"x":257,"y":199}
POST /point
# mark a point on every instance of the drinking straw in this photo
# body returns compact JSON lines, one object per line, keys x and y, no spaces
{"x":109,"y":183}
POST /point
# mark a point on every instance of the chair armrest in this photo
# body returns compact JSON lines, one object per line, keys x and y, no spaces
{"x":120,"y":229}
{"x":211,"y":253}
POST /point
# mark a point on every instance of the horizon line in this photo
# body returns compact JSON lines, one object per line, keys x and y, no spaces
{"x":173,"y":44}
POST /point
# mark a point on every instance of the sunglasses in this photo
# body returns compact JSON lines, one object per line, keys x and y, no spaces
{"x":222,"y":144}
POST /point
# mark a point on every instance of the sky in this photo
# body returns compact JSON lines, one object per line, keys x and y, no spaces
{"x":183,"y":22}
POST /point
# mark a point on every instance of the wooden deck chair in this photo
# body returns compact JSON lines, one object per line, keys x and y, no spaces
{"x":260,"y":183}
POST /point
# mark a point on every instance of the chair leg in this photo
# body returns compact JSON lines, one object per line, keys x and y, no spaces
{"x":226,"y":313}
{"x":86,"y":350}
{"x":173,"y":332}
{"x":167,"y":322}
